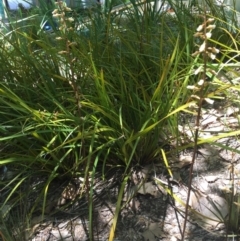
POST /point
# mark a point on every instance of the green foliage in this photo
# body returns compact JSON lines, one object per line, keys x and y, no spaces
{"x":123,"y":80}
{"x":104,"y":91}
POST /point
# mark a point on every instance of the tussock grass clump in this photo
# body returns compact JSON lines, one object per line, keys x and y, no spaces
{"x":80,"y":103}
{"x":94,"y":96}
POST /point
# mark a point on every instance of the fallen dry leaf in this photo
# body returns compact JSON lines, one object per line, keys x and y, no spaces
{"x":148,"y":236}
{"x":210,"y":209}
{"x":183,"y":161}
{"x":134,"y":204}
{"x":207,"y":119}
{"x":154,"y":230}
{"x":148,"y":188}
{"x":229,"y":111}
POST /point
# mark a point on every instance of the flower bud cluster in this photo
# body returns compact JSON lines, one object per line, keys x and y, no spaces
{"x":204,"y":32}
{"x":60,"y":14}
